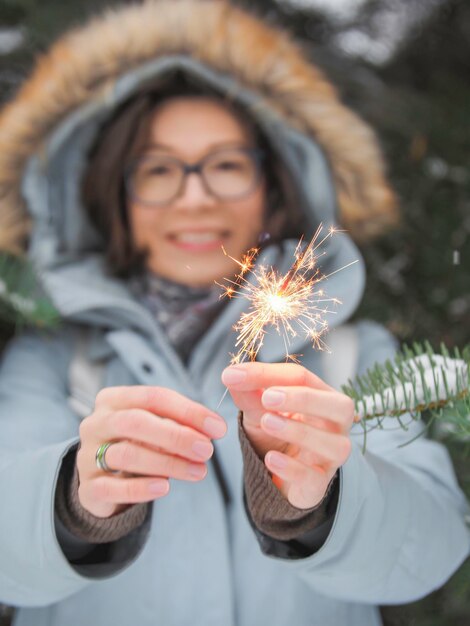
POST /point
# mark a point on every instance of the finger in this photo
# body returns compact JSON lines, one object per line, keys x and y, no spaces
{"x":294,"y":470}
{"x":248,"y":401}
{"x":307,"y":457}
{"x":305,"y":485}
{"x":250,"y":376}
{"x":332,"y":448}
{"x":149,"y":429}
{"x":117,"y":490}
{"x":128,"y":457}
{"x":165,"y":403}
{"x":330,"y":405}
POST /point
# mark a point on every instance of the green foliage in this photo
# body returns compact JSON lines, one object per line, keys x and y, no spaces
{"x":417,"y":380}
{"x":22,"y":300}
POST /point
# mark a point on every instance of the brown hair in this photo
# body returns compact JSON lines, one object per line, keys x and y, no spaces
{"x":120,"y":141}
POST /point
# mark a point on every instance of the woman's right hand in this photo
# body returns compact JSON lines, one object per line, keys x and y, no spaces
{"x":156,"y":434}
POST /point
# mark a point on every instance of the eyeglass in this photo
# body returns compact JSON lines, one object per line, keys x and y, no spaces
{"x":227,"y":174}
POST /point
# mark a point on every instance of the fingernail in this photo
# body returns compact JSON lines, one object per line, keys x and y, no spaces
{"x":196,"y":471}
{"x":273,"y":397}
{"x":214,"y":427}
{"x":232,"y":376}
{"x":274,"y":422}
{"x":159,"y":487}
{"x":203,"y":449}
{"x":276,"y":460}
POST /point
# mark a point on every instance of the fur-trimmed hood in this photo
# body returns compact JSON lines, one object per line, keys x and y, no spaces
{"x":83,"y":66}
{"x":47,"y":128}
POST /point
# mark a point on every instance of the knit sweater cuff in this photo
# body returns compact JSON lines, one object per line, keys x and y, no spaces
{"x":80,"y":522}
{"x":270,"y":511}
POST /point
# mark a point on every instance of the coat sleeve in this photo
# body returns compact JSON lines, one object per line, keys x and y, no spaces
{"x":37,"y":429}
{"x":399,"y":530}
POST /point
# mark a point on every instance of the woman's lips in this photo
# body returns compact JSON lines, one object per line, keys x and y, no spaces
{"x":200,"y":241}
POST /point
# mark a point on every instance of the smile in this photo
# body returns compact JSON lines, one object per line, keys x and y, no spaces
{"x":198,"y":240}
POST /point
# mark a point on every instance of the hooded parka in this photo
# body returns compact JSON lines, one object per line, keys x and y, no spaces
{"x":399,"y":529}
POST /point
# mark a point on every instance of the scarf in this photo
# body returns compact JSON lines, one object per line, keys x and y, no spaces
{"x":184,"y":313}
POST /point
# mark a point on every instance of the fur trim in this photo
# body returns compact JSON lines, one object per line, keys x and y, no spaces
{"x":85,"y":62}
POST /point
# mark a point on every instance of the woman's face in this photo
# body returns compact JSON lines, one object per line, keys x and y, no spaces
{"x":185,"y":236}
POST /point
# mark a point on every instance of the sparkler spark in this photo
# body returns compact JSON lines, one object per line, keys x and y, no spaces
{"x":280,"y":299}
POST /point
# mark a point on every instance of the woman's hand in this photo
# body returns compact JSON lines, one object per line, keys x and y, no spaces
{"x":296,"y":422}
{"x":156,"y":434}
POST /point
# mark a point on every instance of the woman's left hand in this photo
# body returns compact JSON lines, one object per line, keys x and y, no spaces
{"x":296,"y":422}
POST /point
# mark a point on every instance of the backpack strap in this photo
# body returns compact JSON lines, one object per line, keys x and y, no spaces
{"x":341,"y":364}
{"x":85,"y":377}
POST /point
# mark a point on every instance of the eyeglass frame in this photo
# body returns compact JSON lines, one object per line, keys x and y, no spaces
{"x":257,"y":154}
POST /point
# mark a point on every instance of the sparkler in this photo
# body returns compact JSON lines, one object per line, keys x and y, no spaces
{"x":278,"y":300}
{"x":411,"y":386}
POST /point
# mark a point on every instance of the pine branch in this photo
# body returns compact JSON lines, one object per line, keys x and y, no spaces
{"x":23,"y":301}
{"x":417,"y":380}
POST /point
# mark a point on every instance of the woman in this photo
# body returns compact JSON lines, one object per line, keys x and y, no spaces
{"x":141,"y":145}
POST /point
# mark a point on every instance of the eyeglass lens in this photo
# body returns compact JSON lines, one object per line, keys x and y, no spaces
{"x":228,"y":174}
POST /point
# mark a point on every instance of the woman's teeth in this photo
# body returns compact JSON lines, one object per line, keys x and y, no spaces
{"x":198,"y":237}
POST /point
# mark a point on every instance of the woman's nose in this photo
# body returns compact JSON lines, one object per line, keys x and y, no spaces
{"x":194,"y":193}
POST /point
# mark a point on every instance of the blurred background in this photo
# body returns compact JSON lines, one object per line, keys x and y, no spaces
{"x":404,"y":66}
